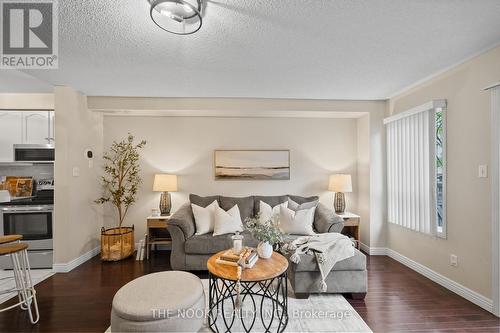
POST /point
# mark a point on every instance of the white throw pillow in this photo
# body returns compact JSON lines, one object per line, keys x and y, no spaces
{"x":204,"y":218}
{"x":269,"y":213}
{"x":297,"y":222}
{"x":227,"y":222}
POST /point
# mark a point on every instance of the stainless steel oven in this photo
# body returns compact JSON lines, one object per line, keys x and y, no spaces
{"x":34,"y":223}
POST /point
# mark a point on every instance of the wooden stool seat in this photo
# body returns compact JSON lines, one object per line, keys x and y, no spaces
{"x":12,"y":248}
{"x":10,"y":238}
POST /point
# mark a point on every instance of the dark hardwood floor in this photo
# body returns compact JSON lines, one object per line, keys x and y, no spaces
{"x":398,"y":300}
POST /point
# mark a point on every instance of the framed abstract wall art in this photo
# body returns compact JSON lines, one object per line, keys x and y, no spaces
{"x":252,"y":164}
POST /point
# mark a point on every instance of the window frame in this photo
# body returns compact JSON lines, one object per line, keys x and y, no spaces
{"x":433,"y":107}
{"x":443,"y":232}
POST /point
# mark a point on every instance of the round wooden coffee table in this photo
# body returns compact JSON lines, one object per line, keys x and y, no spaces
{"x":265,"y":284}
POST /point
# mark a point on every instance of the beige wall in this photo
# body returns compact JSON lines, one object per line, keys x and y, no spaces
{"x":185,"y":146}
{"x":27,"y":101}
{"x":468,"y":201}
{"x":77,"y":220}
{"x":378,"y":201}
{"x":363,"y":190}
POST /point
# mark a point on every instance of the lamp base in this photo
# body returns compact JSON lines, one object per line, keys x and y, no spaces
{"x":339,"y":202}
{"x":165,"y":204}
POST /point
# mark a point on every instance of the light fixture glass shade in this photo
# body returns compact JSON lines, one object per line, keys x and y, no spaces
{"x":165,"y":183}
{"x":340,"y":183}
{"x":180,"y":17}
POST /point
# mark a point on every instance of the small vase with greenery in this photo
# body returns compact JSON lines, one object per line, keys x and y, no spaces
{"x":268,"y":233}
{"x":120,"y":183}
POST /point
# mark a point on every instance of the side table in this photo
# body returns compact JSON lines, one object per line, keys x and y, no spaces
{"x":351,"y":226}
{"x":156,"y":232}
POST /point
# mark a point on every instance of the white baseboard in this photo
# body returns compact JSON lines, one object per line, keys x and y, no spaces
{"x":69,"y":266}
{"x":373,"y":251}
{"x":449,"y":284}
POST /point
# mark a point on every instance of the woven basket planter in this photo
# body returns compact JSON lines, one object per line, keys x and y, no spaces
{"x":117,"y":243}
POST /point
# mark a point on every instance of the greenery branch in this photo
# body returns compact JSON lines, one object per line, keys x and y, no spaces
{"x":121,"y":179}
{"x":264,"y":232}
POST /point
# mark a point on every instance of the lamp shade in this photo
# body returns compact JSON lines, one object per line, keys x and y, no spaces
{"x":165,"y":183}
{"x":340,"y":183}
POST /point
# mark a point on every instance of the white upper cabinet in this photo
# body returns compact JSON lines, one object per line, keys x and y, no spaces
{"x":51,"y":129}
{"x":24,"y":127}
{"x":11,"y":132}
{"x":36,"y":127}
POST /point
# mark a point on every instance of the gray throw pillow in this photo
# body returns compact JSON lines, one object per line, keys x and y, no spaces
{"x":202,"y":201}
{"x":245,"y":205}
{"x":300,"y":200}
{"x":306,"y":205}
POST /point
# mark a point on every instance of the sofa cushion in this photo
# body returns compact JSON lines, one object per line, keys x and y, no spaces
{"x":300,"y":200}
{"x":308,"y":263}
{"x":325,"y":220}
{"x":208,"y":244}
{"x":245,"y":205}
{"x":203,"y":201}
{"x":272,"y":201}
{"x":306,"y":205}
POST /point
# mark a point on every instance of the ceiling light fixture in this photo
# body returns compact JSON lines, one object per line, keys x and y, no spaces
{"x":180,"y":17}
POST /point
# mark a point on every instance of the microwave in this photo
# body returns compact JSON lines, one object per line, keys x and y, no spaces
{"x":34,"y":153}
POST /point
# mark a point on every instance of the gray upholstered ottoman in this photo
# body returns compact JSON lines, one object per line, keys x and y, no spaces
{"x":171,"y":301}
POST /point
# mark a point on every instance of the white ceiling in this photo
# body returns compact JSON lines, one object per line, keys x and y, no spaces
{"x":318,"y":49}
{"x":12,"y":81}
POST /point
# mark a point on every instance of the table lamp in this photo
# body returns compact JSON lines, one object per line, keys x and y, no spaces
{"x":340,"y":184}
{"x":165,"y":183}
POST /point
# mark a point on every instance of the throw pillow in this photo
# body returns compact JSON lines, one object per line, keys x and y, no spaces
{"x":269,"y":213}
{"x":297,"y":222}
{"x":204,"y":218}
{"x":306,"y":205}
{"x":202,"y":201}
{"x":227,"y":222}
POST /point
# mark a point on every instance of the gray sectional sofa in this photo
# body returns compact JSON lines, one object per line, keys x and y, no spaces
{"x":190,"y":252}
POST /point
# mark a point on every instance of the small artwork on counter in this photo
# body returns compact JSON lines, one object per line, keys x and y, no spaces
{"x":252,"y":164}
{"x":18,"y":186}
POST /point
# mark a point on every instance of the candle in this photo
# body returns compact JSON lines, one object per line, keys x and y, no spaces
{"x":237,"y":243}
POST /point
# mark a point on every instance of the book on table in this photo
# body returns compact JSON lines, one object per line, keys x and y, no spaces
{"x":247,"y":258}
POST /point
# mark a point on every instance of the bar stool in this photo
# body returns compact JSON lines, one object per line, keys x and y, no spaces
{"x":22,"y":276}
{"x":10,"y":239}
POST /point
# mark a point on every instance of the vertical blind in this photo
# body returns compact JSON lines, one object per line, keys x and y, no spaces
{"x":411,"y":175}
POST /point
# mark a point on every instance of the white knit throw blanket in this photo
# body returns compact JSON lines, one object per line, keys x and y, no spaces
{"x":329,"y":248}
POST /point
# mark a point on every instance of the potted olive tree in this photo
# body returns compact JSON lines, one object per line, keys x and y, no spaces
{"x":120,"y":184}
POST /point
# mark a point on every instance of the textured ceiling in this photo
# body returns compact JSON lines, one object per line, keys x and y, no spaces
{"x":320,"y":49}
{"x":12,"y":81}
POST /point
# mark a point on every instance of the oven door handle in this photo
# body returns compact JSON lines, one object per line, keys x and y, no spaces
{"x":20,"y":211}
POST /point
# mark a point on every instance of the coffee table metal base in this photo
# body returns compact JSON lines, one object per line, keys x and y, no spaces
{"x":224,"y":309}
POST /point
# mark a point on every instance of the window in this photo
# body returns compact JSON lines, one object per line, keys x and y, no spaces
{"x":416,"y":168}
{"x":440,"y":170}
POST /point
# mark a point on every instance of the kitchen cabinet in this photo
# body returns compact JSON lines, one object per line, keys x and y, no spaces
{"x":51,"y":129}
{"x":38,"y":127}
{"x":35,"y":127}
{"x":24,"y":127}
{"x":11,"y":132}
